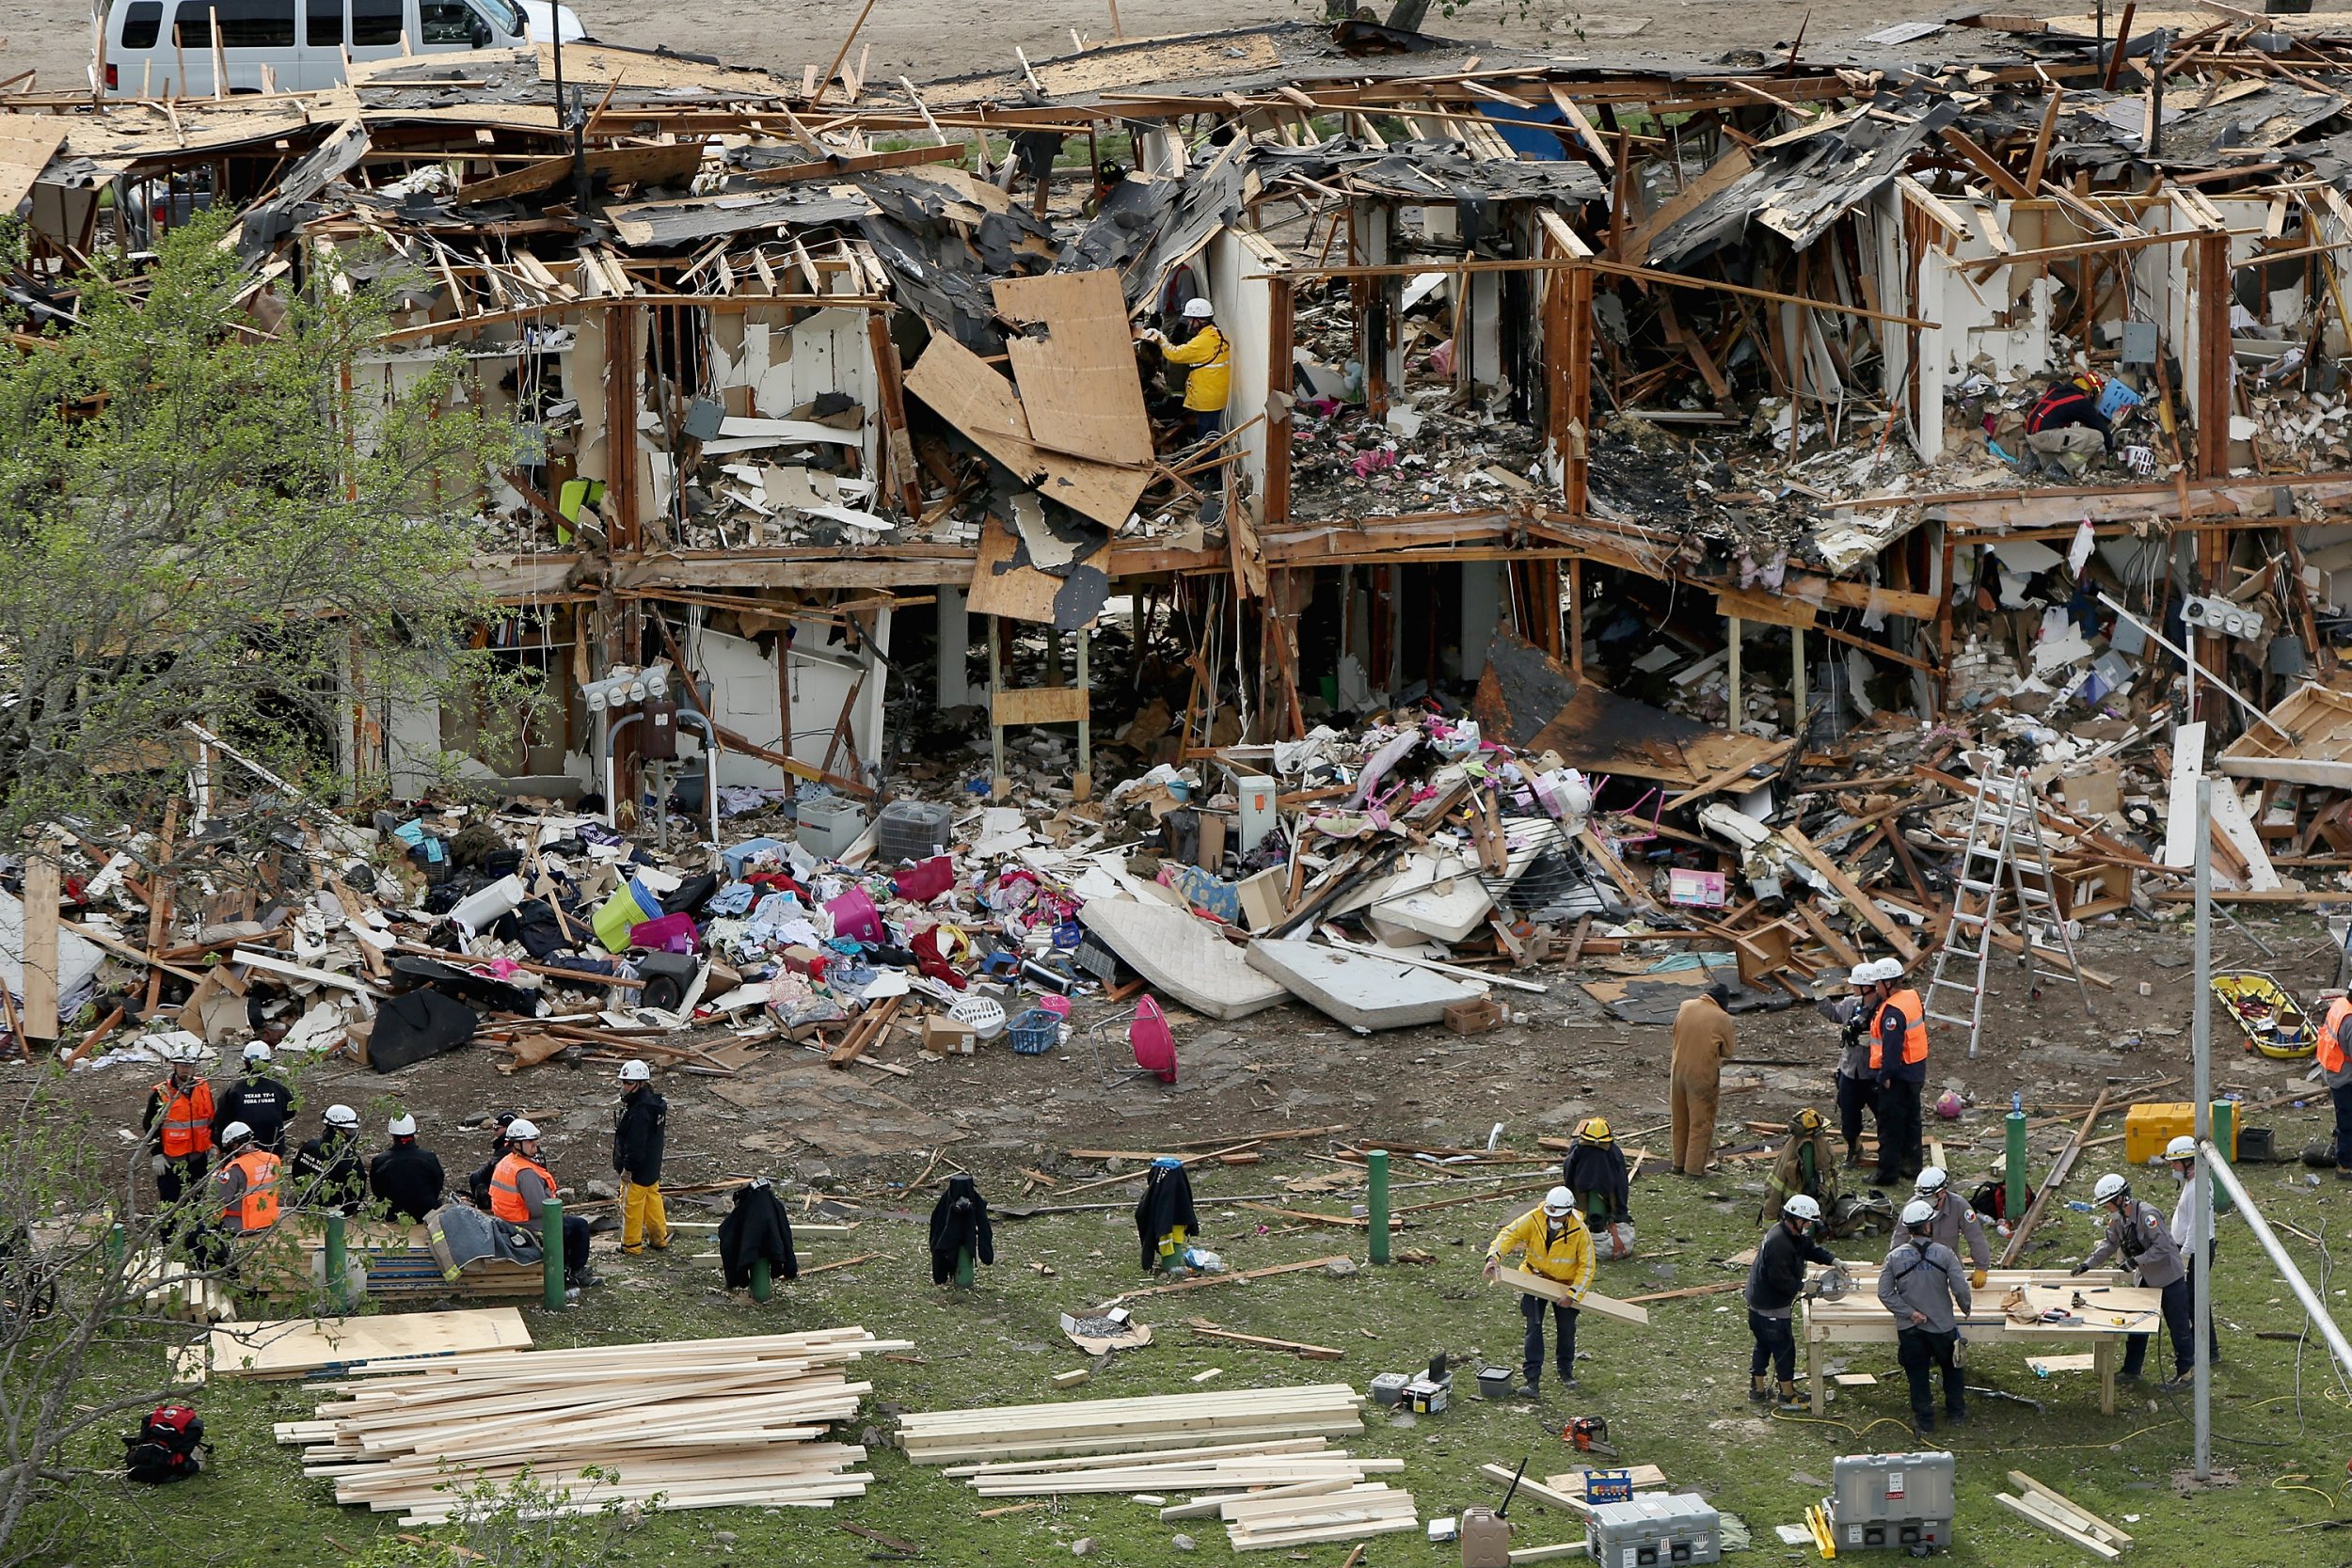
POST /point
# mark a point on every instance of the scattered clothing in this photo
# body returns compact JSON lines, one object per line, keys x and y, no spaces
{"x":1164,"y":1215}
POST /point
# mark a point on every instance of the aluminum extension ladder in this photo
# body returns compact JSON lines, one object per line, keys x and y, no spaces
{"x":2004,"y":837}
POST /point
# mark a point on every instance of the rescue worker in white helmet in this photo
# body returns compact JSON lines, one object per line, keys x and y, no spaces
{"x":2138,"y":1233}
{"x":1775,"y":1280}
{"x":1922,"y":1285}
{"x":2181,"y":1154}
{"x":329,"y":1173}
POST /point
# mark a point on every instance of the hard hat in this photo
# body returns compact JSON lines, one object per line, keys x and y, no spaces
{"x":1198,"y":310}
{"x":257,"y":1051}
{"x":1801,"y":1208}
{"x":234,"y":1133}
{"x":343,"y":1116}
{"x":635,"y":1072}
{"x":1872,"y":972}
{"x":2181,"y":1148}
{"x":1808,"y":1120}
{"x":1558,"y":1201}
{"x":1593,"y":1130}
{"x":183,"y":1054}
{"x":1931,"y":1181}
{"x":520,"y":1131}
{"x":401,"y":1126}
{"x":1918,"y":1212}
{"x":2110,"y":1187}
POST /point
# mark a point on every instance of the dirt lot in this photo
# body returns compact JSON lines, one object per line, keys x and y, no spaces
{"x":924,"y":41}
{"x":862,"y":1129}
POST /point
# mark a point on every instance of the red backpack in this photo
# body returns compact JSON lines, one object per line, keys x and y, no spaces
{"x":168,"y":1446}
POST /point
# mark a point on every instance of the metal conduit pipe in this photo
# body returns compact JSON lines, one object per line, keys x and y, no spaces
{"x":2263,"y":1233}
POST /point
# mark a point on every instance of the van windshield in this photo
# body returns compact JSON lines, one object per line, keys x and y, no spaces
{"x":505,"y":15}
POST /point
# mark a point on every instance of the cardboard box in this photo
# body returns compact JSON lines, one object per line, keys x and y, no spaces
{"x":944,"y":1036}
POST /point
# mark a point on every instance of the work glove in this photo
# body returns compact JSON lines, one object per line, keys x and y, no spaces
{"x":1975,"y":1278}
{"x":2079,"y":1268}
{"x":158,"y":1165}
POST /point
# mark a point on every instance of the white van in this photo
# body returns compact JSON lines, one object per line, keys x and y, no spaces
{"x":162,"y":48}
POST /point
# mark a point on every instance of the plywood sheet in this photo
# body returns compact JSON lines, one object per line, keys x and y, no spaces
{"x":291,"y":1346}
{"x":1075,"y":365}
{"x":968,"y":394}
{"x":26,"y":144}
{"x":666,"y":164}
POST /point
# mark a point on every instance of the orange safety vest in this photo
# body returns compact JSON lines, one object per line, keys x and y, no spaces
{"x":1915,"y":1030}
{"x":2331,"y":1035}
{"x":257,"y":1207}
{"x":506,"y":1189}
{"x":186,"y":1124}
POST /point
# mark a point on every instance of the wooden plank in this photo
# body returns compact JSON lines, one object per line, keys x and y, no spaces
{"x":28,"y":142}
{"x":2065,"y":1161}
{"x":44,"y":887}
{"x":2026,"y":1509}
{"x":1861,"y":902}
{"x":1073,"y":363}
{"x":1304,"y":1352}
{"x":1536,"y":1489}
{"x":661,"y":164}
{"x":967,"y":392}
{"x":1043,"y":704}
{"x":1552,"y":1289}
{"x":2027,"y":1484}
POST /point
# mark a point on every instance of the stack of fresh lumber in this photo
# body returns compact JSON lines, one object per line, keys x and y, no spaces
{"x":1288,"y":1518}
{"x":703,"y":1423}
{"x":1129,"y":1426}
{"x":2060,"y":1515}
{"x":1219,"y":1467}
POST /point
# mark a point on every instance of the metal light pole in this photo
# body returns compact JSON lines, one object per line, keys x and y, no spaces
{"x":2201,"y":1199}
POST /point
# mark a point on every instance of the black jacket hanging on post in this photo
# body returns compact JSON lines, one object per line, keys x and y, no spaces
{"x":1166,"y":1203}
{"x":757,"y":1227}
{"x":959,"y":1220}
{"x":640,"y":1127}
{"x":1595,"y":1174}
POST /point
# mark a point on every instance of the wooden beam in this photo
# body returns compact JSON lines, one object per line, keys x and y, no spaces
{"x":2041,"y":156}
{"x":2002,"y":182}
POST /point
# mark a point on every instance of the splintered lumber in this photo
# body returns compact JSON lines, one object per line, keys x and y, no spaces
{"x":708,"y":1423}
{"x":1591,"y":1301}
{"x":1256,"y":1525}
{"x":1129,"y":1425}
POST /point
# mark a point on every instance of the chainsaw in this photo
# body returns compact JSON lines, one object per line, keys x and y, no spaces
{"x":1590,"y":1434}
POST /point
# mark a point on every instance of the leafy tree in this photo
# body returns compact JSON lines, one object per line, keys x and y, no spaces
{"x":208,"y":514}
{"x":211,"y":516}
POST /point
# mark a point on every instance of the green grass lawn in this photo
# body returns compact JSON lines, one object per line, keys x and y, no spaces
{"x":1674,"y":1396}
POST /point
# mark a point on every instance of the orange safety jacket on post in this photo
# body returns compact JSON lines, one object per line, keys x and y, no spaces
{"x":185,"y":1126}
{"x":256,"y":1208}
{"x":506,"y":1188}
{"x":1915,"y":1015}
{"x":2331,"y":1053}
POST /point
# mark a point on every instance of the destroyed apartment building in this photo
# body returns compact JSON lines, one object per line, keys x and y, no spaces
{"x":1685,"y":403}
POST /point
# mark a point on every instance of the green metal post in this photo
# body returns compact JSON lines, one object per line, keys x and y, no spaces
{"x":336,"y":1262}
{"x":2224,"y":1139}
{"x":963,"y":1268}
{"x":118,"y":1245}
{"x":1377,"y":1203}
{"x":2016,"y":1165}
{"x":763,"y":1279}
{"x":552,"y":1252}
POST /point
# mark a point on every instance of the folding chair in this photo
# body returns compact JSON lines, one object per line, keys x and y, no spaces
{"x":1149,"y":1040}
